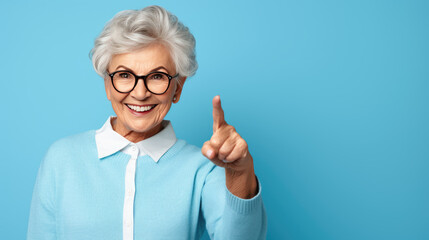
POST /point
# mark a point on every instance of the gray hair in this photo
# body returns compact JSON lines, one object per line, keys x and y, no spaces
{"x":130,"y":30}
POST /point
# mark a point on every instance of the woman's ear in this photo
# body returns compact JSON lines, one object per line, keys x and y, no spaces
{"x":179,"y":89}
{"x":107,"y":87}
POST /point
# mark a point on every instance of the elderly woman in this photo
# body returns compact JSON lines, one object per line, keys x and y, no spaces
{"x":132,"y":179}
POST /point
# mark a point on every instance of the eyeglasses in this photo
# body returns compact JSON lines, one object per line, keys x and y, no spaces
{"x":155,"y":82}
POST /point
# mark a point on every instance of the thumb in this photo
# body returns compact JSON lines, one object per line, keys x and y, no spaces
{"x":218,"y":114}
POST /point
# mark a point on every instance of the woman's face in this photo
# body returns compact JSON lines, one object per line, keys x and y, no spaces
{"x":138,"y":125}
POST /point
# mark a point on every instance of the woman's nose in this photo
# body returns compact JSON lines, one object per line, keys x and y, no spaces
{"x":140,"y":91}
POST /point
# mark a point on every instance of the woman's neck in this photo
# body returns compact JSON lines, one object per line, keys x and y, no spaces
{"x":133,"y":136}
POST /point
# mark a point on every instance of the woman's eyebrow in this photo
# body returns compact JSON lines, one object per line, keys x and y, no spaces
{"x":153,"y":70}
{"x":159,"y":68}
{"x":122,"y":66}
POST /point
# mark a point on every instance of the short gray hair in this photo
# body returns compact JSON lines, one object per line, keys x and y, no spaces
{"x":130,"y":30}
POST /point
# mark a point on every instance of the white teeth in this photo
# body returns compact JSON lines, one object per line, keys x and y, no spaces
{"x":140,"y":109}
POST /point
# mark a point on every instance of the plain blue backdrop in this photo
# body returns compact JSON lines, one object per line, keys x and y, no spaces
{"x":332,"y":97}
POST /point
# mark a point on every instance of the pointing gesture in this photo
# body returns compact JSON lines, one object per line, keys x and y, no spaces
{"x":227,"y":149}
{"x":218,"y":114}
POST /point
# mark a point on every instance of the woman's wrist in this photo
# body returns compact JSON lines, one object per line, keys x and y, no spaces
{"x":242,"y":184}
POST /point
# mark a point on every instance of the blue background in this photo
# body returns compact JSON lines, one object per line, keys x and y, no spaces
{"x":332,"y":97}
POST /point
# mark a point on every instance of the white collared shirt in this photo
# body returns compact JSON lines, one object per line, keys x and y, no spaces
{"x":109,"y":142}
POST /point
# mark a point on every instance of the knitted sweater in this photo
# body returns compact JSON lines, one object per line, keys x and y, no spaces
{"x":182,"y":196}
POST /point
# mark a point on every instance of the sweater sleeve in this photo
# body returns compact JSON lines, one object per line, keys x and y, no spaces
{"x":41,"y":223}
{"x":228,"y":216}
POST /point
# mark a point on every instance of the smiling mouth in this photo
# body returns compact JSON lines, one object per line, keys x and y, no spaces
{"x":140,"y":108}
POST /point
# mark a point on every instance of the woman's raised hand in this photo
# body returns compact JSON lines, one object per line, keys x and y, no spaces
{"x":227,"y":149}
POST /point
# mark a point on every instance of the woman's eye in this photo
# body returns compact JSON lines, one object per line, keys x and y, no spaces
{"x":124,"y":75}
{"x":157,"y":76}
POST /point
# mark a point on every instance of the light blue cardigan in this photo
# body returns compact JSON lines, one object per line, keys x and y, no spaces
{"x":182,"y":196}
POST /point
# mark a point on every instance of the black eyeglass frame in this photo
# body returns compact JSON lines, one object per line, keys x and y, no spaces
{"x":136,"y":77}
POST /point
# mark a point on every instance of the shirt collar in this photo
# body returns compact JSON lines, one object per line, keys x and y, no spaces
{"x":108,"y":141}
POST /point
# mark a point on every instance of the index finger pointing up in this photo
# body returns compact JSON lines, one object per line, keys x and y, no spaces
{"x":218,"y":114}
